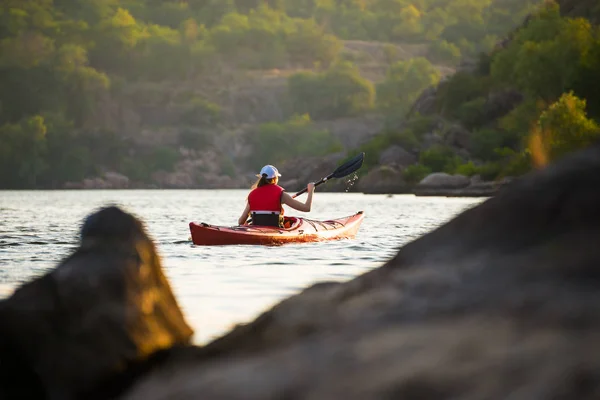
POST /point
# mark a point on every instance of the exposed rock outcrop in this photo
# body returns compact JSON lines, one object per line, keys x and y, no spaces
{"x":500,"y":302}
{"x":442,"y":180}
{"x":381,"y":180}
{"x":500,"y":103}
{"x":396,"y":155}
{"x":442,"y":184}
{"x":426,"y":103}
{"x":457,"y":136}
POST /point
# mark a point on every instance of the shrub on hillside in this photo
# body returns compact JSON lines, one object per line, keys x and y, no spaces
{"x":200,"y":112}
{"x":444,"y":52}
{"x":338,"y":92}
{"x":516,"y":163}
{"x":141,"y":167}
{"x":296,"y":137}
{"x":194,"y":138}
{"x":420,"y":125}
{"x":404,"y":83}
{"x":392,"y":54}
{"x":21,"y":149}
{"x":227,"y":167}
{"x":467,"y":169}
{"x":163,"y":159}
{"x":267,"y":38}
{"x":484,"y":142}
{"x":164,"y":54}
{"x":490,"y":171}
{"x":307,"y":44}
{"x":459,"y":89}
{"x":415,"y":173}
{"x":404,"y":138}
{"x":518,"y":123}
{"x":564,"y":127}
{"x":472,"y":113}
{"x":439,"y":158}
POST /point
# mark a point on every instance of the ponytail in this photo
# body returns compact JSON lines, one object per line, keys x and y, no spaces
{"x":262,"y":181}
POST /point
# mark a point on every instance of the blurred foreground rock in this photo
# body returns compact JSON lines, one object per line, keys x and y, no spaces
{"x":104,"y":313}
{"x":502,"y":302}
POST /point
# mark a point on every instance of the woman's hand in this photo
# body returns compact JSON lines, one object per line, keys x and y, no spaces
{"x":305,"y":207}
{"x":245,"y":214}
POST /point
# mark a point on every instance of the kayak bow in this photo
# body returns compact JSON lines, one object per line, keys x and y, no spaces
{"x":300,"y":230}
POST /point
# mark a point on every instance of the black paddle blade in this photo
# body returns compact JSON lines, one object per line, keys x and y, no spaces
{"x":343,"y":170}
{"x":349,"y":166}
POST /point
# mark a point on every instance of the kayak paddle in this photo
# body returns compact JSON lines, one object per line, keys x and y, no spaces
{"x":343,"y":170}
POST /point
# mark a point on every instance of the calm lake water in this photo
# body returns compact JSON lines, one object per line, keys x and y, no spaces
{"x":216,"y":286}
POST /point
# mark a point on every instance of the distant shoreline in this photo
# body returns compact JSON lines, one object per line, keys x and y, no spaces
{"x":416,"y":193}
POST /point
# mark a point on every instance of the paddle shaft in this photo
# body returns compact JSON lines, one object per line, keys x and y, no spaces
{"x":316,"y":184}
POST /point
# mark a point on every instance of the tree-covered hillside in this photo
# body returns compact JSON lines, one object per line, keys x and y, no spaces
{"x":533,"y":99}
{"x":200,"y":91}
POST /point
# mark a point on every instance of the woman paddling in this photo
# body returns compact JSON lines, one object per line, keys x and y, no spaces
{"x":265,"y":202}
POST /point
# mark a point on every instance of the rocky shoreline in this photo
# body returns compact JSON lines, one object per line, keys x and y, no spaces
{"x":382,"y":180}
{"x":441,"y":184}
{"x":500,"y":302}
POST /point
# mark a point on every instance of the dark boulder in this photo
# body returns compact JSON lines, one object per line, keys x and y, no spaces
{"x":426,"y":103}
{"x":397,"y":155}
{"x":457,"y":136}
{"x":440,"y":182}
{"x":500,"y":103}
{"x":105,"y":311}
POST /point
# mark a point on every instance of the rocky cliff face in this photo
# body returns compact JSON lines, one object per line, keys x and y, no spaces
{"x":500,"y":302}
{"x":581,"y":8}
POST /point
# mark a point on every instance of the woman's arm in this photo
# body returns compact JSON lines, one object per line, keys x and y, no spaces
{"x":244,"y":217}
{"x":287,"y":199}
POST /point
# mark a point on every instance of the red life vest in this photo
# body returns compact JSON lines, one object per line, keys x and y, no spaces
{"x":266,"y":198}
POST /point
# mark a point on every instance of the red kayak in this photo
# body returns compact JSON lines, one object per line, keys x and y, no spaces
{"x":300,"y":230}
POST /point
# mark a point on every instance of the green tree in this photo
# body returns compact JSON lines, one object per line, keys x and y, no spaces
{"x":444,"y":52}
{"x":295,"y":137}
{"x":439,"y":158}
{"x":404,"y":83}
{"x":338,"y":92}
{"x":485,"y":142}
{"x":459,"y":89}
{"x":546,"y":57}
{"x":115,"y":38}
{"x":22,"y":148}
{"x":307,"y":43}
{"x":409,"y":25}
{"x":67,"y":158}
{"x":564,"y":126}
{"x":415,"y":173}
